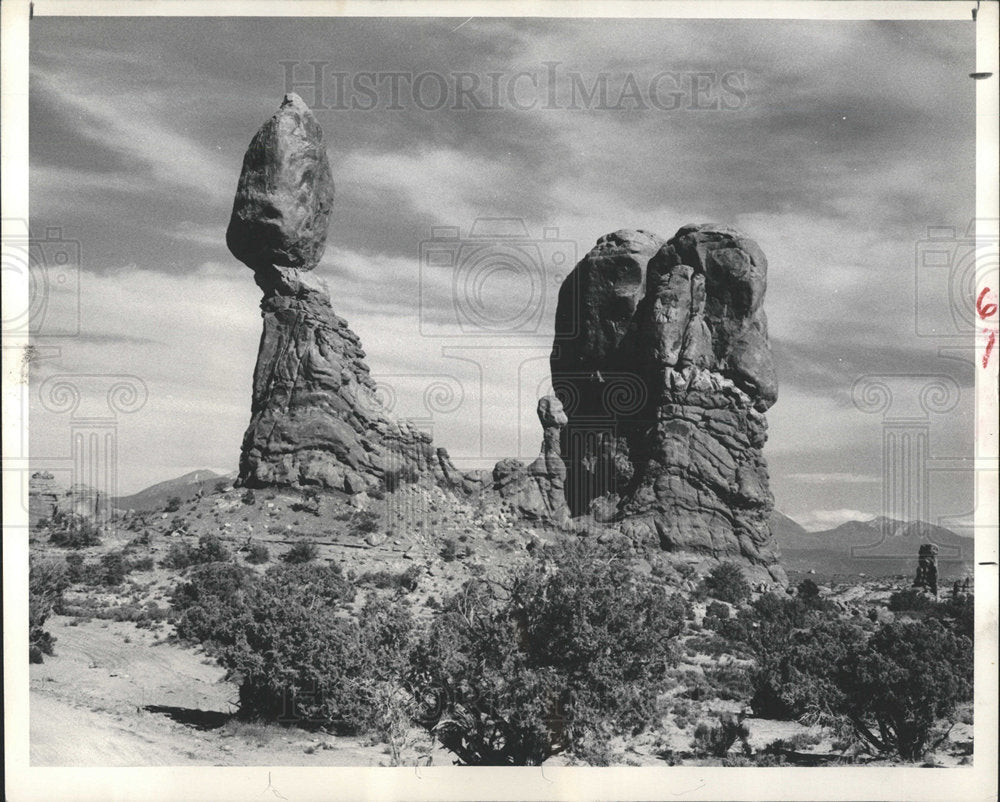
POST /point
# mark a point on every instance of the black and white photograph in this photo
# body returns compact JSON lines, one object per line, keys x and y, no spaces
{"x":444,"y":388}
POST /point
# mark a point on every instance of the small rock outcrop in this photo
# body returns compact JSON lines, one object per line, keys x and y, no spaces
{"x":662,"y":362}
{"x":315,"y":419}
{"x":47,"y":500}
{"x":927,"y":571}
{"x":537,"y":492}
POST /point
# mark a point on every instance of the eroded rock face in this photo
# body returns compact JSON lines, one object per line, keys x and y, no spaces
{"x":285,"y":194}
{"x":537,"y":491}
{"x":666,"y":399}
{"x":47,"y":499}
{"x":315,"y":418}
{"x":597,"y":385}
{"x":927,"y":571}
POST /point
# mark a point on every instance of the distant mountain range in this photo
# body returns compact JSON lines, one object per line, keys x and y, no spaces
{"x":880,"y":547}
{"x":184,"y":487}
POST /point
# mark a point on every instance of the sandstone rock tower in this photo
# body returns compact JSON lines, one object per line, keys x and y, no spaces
{"x":662,"y":363}
{"x":314,"y":418}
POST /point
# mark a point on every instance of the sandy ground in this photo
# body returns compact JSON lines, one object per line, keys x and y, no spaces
{"x":105,"y":701}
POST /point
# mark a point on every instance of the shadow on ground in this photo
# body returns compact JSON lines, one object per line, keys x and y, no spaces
{"x":199,"y":719}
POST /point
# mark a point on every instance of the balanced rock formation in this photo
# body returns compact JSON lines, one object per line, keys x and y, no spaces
{"x":315,"y":419}
{"x":662,"y":362}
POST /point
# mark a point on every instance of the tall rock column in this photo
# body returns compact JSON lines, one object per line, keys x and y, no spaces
{"x":593,"y":378}
{"x":314,"y":420}
{"x":686,"y":463}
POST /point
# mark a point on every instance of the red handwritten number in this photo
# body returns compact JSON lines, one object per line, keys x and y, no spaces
{"x":987,"y":310}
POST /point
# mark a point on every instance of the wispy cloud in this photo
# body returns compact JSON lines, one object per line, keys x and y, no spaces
{"x":854,"y":138}
{"x":832,"y":478}
{"x":820,"y":520}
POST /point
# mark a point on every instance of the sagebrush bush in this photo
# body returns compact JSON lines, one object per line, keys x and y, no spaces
{"x":258,"y":554}
{"x":565,"y":653}
{"x":910,"y":599}
{"x":718,"y":739}
{"x":383,"y":580}
{"x":210,"y":548}
{"x":365,"y":523}
{"x":796,"y":677}
{"x":173,"y":504}
{"x":286,"y":640}
{"x":890,"y":686}
{"x":303,"y":552}
{"x":726,"y":582}
{"x":47,"y":579}
{"x":73,"y":531}
{"x":907,"y":676}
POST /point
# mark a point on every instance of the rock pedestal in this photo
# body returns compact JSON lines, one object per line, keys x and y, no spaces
{"x":315,"y":419}
{"x":927,"y":572}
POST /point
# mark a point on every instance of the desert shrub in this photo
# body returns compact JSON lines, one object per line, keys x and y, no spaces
{"x":907,"y":676}
{"x":74,"y":531}
{"x":114,"y":568}
{"x":74,"y":568}
{"x":563,"y":654}
{"x":323,"y":581}
{"x":958,"y":613}
{"x":173,"y":504}
{"x":910,"y":599}
{"x":715,"y":613}
{"x":211,"y":549}
{"x":713,"y":645}
{"x":794,"y":743}
{"x":729,"y":682}
{"x":451,"y":550}
{"x":302,"y":552}
{"x":258,"y":554}
{"x":179,"y":555}
{"x":726,"y":583}
{"x":310,"y":501}
{"x":718,"y":739}
{"x":47,"y":579}
{"x":365,"y":522}
{"x":406,"y":580}
{"x":765,"y":626}
{"x":796,"y":677}
{"x":208,"y":584}
{"x":248,"y":497}
{"x":182,"y":555}
{"x":285,"y":639}
{"x":141,"y":564}
{"x":807,"y":589}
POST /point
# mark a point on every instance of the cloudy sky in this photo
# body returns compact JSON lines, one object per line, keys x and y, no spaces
{"x":837,"y":145}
